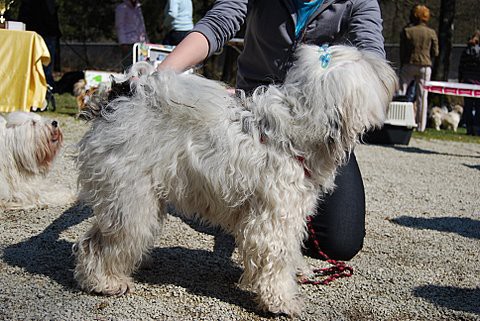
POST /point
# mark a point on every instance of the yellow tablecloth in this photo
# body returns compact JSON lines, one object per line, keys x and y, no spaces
{"x":22,"y":80}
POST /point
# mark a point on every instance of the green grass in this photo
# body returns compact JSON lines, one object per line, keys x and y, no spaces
{"x":66,"y":104}
{"x":450,"y":135}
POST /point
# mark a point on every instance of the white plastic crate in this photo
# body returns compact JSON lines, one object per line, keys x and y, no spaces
{"x":400,"y":114}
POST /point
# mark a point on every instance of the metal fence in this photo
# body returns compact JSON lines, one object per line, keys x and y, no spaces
{"x":95,"y":56}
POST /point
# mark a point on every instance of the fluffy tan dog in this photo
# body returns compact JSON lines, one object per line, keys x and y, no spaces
{"x":442,"y":118}
{"x":28,"y":146}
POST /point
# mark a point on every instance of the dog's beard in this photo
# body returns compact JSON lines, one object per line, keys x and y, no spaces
{"x":48,"y":146}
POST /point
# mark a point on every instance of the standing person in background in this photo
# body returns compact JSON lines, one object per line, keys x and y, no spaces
{"x":130,"y":27}
{"x":418,"y":47}
{"x":469,"y":72}
{"x":273,"y":30}
{"x":177,"y":21}
{"x":41,"y":16}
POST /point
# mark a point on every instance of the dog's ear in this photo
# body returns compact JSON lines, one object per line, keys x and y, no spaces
{"x":384,"y":79}
{"x":458,"y":109}
{"x":125,"y":87}
{"x":119,"y":89}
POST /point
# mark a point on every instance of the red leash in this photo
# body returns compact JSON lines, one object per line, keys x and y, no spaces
{"x":338,"y":269}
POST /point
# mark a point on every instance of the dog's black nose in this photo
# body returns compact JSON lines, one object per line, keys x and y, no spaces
{"x":55,"y":123}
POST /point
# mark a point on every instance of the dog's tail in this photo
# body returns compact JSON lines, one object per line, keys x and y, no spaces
{"x":97,"y":106}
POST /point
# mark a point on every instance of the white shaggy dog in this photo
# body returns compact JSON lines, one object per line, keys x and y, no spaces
{"x":28,"y":146}
{"x":254,"y":166}
{"x":443,"y":118}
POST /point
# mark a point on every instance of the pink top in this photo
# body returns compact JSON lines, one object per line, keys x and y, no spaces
{"x":129,"y":23}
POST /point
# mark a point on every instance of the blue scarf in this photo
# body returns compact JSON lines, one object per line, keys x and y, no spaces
{"x":304,"y":11}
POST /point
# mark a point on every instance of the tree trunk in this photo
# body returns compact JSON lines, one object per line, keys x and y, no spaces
{"x":445,"y":36}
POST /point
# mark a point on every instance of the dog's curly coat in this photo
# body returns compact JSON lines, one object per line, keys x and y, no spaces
{"x":254,"y":166}
{"x":28,"y":145}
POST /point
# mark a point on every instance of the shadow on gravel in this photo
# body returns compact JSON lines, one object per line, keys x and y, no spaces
{"x":204,"y":273}
{"x":200,"y":272}
{"x":461,"y":225}
{"x":47,"y":255}
{"x":472,"y":166}
{"x":459,"y":299}
{"x":426,"y":151}
{"x":224,"y":244}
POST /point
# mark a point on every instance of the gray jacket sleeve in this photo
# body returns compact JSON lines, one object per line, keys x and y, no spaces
{"x":222,"y":22}
{"x":365,"y":30}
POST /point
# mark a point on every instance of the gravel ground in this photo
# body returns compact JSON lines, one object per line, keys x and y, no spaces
{"x":420,"y":259}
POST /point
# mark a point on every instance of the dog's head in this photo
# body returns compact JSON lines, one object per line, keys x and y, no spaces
{"x":458,"y":109}
{"x":35,"y":141}
{"x":437,"y":110}
{"x":343,"y":91}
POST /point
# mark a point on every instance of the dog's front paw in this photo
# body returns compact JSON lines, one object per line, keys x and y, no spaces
{"x":292,"y":308}
{"x":115,"y":287}
{"x":304,"y":272}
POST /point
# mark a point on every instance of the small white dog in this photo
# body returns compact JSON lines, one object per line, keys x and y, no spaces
{"x":254,"y":166}
{"x":28,"y":146}
{"x":442,"y":118}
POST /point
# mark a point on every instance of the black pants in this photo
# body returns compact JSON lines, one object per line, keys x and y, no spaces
{"x":339,"y":224}
{"x":471,"y":114}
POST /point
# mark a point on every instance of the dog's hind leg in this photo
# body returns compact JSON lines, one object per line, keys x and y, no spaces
{"x":125,"y":222}
{"x":270,"y":244}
